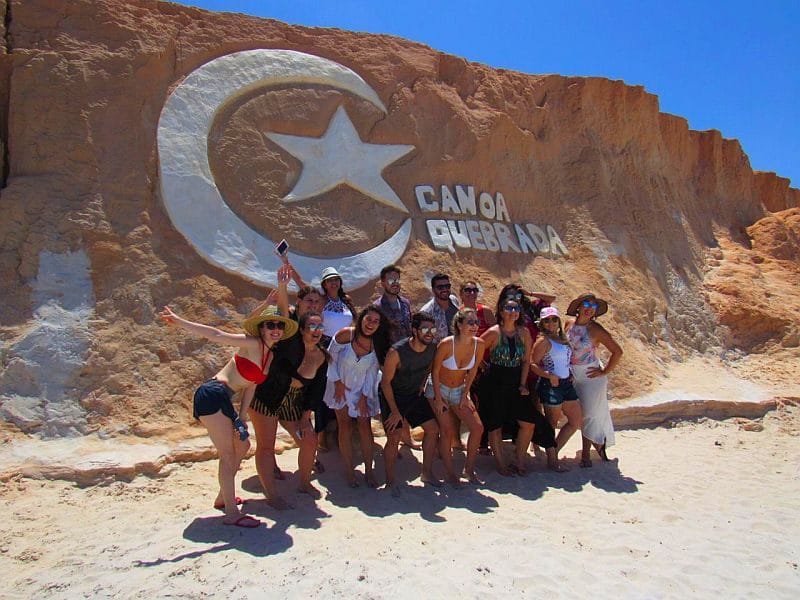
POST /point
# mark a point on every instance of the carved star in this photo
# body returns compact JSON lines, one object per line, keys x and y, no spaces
{"x":340,"y":157}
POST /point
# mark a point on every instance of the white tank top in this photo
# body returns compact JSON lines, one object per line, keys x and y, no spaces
{"x":556,"y":361}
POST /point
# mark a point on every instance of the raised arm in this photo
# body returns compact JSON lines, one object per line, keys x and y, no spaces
{"x":295,"y":276}
{"x":543,"y":296}
{"x":213,"y":334}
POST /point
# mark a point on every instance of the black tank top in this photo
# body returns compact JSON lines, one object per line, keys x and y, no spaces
{"x":413,"y":369}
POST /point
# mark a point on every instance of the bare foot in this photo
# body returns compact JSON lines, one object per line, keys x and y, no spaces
{"x":521,"y":471}
{"x":351,"y":479}
{"x":586,"y":463}
{"x":308,"y":488}
{"x":278,"y":474}
{"x":371,"y":481}
{"x":505,"y":471}
{"x":318,"y":466}
{"x":557,"y":467}
{"x":428,"y":480}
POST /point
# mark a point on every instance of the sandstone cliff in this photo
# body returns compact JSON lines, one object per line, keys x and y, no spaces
{"x":697,"y":253}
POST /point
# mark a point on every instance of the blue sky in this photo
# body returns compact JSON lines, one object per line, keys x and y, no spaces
{"x":726,"y":65}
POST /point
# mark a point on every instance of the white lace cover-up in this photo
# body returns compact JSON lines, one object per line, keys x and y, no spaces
{"x":360,"y":375}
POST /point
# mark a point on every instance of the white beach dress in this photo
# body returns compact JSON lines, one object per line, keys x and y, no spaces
{"x":592,"y":392}
{"x":359,"y":374}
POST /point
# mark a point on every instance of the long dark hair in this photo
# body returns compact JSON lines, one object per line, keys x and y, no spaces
{"x":382,"y":338}
{"x":343,"y":296}
{"x":510,"y":292}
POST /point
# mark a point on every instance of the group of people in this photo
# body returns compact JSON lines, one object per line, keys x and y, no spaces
{"x":512,"y":373}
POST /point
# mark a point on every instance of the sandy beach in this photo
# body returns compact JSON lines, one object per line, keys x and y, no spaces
{"x":693,"y":510}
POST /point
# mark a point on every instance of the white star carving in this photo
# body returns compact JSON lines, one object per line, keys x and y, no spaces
{"x":340,"y":157}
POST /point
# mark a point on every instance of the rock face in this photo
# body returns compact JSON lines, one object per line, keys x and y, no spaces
{"x":695,"y":252}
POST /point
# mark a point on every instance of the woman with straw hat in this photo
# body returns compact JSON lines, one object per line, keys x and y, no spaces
{"x":296,"y":380}
{"x":212,"y":400}
{"x":585,"y":334}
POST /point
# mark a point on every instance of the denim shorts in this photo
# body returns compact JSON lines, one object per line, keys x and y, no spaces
{"x":555,"y":396}
{"x":452,"y":395}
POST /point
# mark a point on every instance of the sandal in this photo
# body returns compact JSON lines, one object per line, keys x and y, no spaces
{"x":586,"y":463}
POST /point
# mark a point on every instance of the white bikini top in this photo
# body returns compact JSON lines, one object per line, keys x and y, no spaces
{"x":450,"y":361}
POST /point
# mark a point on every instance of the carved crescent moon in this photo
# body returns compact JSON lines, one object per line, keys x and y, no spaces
{"x":190,"y":193}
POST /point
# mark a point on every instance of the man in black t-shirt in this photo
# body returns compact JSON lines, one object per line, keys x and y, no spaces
{"x":405,"y":370}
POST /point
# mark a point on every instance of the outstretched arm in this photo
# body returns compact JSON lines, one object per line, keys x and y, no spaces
{"x":210,"y":333}
{"x":545,"y":297}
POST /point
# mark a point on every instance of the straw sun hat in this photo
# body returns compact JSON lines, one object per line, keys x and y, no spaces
{"x":270,"y":313}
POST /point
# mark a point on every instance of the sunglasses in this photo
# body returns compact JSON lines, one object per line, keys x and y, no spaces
{"x":392,"y":281}
{"x":315,"y":327}
{"x":427,"y":330}
{"x":472,"y":322}
{"x":587,"y":304}
{"x":443,"y":286}
{"x":509,"y":308}
{"x":470,"y":290}
{"x":274,"y":325}
{"x":550,"y":320}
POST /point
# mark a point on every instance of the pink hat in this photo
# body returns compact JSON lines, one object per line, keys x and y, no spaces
{"x":549,"y":311}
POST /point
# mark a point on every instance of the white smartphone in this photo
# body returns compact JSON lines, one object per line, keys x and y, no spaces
{"x":282,"y":248}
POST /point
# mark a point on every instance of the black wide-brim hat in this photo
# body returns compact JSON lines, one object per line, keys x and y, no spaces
{"x":602,"y":305}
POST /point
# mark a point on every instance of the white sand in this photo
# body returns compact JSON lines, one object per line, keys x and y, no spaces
{"x":701,"y":510}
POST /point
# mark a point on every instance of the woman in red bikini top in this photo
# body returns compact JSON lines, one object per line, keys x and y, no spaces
{"x":212,"y":400}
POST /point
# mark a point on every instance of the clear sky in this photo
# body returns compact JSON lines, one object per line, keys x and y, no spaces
{"x":730,"y":65}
